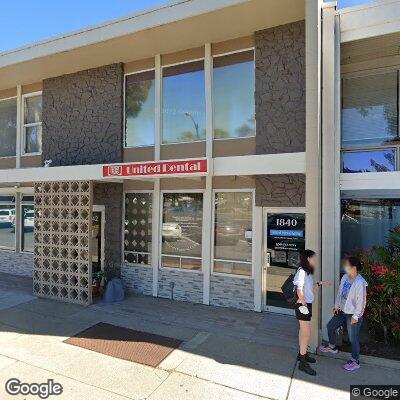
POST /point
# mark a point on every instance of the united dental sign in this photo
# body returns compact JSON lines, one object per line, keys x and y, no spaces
{"x":158,"y":168}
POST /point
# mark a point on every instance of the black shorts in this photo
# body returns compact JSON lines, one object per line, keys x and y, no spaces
{"x":303,"y":317}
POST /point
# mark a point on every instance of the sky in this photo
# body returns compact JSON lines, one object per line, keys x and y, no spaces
{"x":27,"y":21}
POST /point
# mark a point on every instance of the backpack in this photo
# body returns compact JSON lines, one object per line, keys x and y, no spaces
{"x":289,"y":290}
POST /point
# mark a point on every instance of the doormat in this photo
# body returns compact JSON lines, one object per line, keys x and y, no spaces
{"x":126,"y":344}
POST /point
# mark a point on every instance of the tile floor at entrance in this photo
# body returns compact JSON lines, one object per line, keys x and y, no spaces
{"x":226,"y":354}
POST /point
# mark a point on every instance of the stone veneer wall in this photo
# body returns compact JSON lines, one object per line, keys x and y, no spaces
{"x":137,"y":279}
{"x":110,"y":195}
{"x":16,"y":264}
{"x":281,"y":190}
{"x":83,"y":117}
{"x":188,"y":285}
{"x":227,"y":291}
{"x":280,"y":89}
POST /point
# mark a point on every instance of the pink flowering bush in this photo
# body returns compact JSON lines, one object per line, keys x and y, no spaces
{"x":382,"y":272}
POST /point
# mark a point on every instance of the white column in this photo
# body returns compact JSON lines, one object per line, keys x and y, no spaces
{"x":330,"y":173}
{"x":156,"y":212}
{"x":155,"y":235}
{"x":257,"y":256}
{"x":207,"y":199}
{"x":158,"y":108}
{"x":19,"y":127}
{"x":18,"y":221}
{"x":313,"y":144}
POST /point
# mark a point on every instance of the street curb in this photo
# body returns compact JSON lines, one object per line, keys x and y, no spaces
{"x":368,"y":360}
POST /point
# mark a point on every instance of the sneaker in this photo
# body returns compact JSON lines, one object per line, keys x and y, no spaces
{"x":328,"y":349}
{"x":305,"y":367}
{"x":351,"y":365}
{"x":308,"y":358}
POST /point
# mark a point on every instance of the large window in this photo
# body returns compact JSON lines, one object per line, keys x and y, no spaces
{"x":370,"y":128}
{"x":8,"y":127}
{"x":7,"y":222}
{"x":138,"y":217}
{"x":32,"y":134}
{"x":183,"y":108}
{"x":182,"y":225}
{"x":27,"y":223}
{"x":367,"y":222}
{"x":140,"y":109}
{"x":233,"y":95}
{"x":233,"y":233}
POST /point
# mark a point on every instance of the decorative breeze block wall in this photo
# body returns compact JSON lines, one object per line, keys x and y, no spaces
{"x":62,"y":267}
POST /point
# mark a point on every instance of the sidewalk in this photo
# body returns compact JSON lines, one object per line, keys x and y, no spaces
{"x":226,"y":354}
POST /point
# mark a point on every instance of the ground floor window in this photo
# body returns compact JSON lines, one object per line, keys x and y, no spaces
{"x":27,"y":223}
{"x":233,"y":219}
{"x":182,"y":224}
{"x":138,"y":228}
{"x":371,"y":231}
{"x":367,"y":222}
{"x":7,"y":222}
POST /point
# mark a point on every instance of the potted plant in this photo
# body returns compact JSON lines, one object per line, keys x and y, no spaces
{"x":96,"y":283}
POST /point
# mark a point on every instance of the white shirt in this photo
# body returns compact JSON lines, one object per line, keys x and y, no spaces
{"x":304,"y":282}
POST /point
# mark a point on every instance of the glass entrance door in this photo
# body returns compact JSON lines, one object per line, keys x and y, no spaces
{"x":284,"y":239}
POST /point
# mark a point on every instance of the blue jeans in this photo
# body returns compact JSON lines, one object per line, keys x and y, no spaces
{"x":342,"y":319}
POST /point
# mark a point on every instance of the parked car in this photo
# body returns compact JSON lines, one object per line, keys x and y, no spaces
{"x":29,"y":219}
{"x":7,"y":217}
{"x":171,"y":231}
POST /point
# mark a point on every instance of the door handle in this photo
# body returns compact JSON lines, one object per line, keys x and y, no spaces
{"x":267,"y":260}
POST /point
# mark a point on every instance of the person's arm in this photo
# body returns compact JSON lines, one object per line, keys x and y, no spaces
{"x":361,"y":299}
{"x":299,"y":283}
{"x":338,"y":295}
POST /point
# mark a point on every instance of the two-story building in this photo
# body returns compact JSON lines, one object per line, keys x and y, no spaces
{"x":195,"y":149}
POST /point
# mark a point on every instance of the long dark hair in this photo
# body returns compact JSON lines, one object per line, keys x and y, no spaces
{"x":304,"y":263}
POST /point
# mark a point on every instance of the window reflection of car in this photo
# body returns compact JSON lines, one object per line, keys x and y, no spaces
{"x":29,"y":219}
{"x":7,"y":218}
{"x":171,"y":231}
{"x":228,"y":234}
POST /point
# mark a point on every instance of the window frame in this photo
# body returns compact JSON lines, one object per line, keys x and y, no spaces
{"x":160,"y":266}
{"x":9,"y":203}
{"x":356,"y":149}
{"x":22,"y":204}
{"x":24,"y":125}
{"x":253,"y":48}
{"x":162,"y":100}
{"x":253,"y":227}
{"x":150,"y":191}
{"x":16,"y":130}
{"x":124,"y":107}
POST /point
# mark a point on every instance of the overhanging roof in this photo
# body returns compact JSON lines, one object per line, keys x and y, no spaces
{"x":369,"y":20}
{"x":262,"y":164}
{"x":172,"y":27}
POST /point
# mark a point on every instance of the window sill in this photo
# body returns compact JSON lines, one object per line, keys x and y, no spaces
{"x":225,"y":274}
{"x":195,"y":271}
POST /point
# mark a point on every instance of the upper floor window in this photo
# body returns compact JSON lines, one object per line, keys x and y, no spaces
{"x":8,"y":127}
{"x":140,"y":109}
{"x":370,"y":128}
{"x":183,"y":103}
{"x":233,"y":95}
{"x":32,"y":128}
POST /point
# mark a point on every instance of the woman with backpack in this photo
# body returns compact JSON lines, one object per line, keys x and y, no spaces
{"x":304,"y":284}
